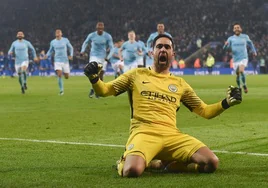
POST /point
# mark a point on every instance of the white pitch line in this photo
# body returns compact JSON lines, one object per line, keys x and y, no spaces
{"x":62,"y":142}
{"x":117,"y":146}
{"x":241,"y":153}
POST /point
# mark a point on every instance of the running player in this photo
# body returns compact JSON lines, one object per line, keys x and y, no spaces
{"x":63,"y":52}
{"x":238,"y":44}
{"x":114,"y":59}
{"x":129,"y":52}
{"x":19,"y":49}
{"x":100,"y":42}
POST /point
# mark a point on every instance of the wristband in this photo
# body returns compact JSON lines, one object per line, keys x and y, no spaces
{"x":225,"y":104}
{"x":94,"y":80}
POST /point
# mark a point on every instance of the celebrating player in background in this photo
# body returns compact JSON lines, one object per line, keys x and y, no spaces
{"x":114,"y":59}
{"x":129,"y":52}
{"x":238,"y":44}
{"x":155,"y":95}
{"x":160,"y":30}
{"x":142,"y":57}
{"x":63,"y":52}
{"x":101,"y":42}
{"x":19,"y":49}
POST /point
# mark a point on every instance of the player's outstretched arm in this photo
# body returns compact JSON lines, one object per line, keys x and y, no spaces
{"x":102,"y":89}
{"x":251,"y":45}
{"x":12,"y":49}
{"x":195,"y":104}
{"x":49,"y":52}
{"x":233,"y":97}
{"x":30,"y":46}
{"x":85,"y":43}
{"x":71,"y":49}
{"x":227,"y":44}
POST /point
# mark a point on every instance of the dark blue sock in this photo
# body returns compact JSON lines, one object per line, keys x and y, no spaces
{"x":238,"y":80}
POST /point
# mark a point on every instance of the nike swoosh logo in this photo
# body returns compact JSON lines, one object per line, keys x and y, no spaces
{"x":144,"y":82}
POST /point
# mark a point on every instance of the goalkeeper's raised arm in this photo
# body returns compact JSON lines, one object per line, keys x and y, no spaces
{"x":115,"y":87}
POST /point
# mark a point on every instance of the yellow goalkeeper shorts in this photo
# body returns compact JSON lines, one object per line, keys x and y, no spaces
{"x":160,"y":142}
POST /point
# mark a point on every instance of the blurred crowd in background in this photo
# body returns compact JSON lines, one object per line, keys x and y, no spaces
{"x":198,"y":27}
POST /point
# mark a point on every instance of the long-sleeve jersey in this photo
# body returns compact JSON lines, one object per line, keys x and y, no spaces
{"x":20,"y":50}
{"x":60,"y":49}
{"x":99,"y":44}
{"x":238,"y":45}
{"x":130,"y":51}
{"x":155,"y":98}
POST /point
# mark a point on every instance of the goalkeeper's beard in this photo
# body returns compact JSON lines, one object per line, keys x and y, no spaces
{"x":162,"y":60}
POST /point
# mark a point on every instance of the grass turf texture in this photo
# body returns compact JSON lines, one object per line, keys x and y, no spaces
{"x":42,"y":114}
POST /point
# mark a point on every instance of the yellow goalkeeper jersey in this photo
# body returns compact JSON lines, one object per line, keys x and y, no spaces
{"x":155,"y":98}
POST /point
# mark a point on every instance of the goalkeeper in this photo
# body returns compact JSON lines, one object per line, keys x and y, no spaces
{"x":155,"y":96}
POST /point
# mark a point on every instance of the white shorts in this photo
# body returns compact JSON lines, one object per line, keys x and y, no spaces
{"x":64,"y":67}
{"x":242,"y":62}
{"x":130,"y":66}
{"x":23,"y":64}
{"x":99,"y":61}
{"x":116,"y":65}
{"x":140,"y":61}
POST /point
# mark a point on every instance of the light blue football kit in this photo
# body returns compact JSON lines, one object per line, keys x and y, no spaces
{"x":130,"y":54}
{"x":60,"y":48}
{"x":20,"y":50}
{"x":238,"y":45}
{"x":99,"y":46}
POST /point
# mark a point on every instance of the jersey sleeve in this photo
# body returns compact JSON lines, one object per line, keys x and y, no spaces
{"x":12,"y":49}
{"x":70,"y":48}
{"x":30,"y":46}
{"x":189,"y":98}
{"x":124,"y":82}
{"x":116,"y":87}
{"x":85,"y":43}
{"x":110,"y":42}
{"x":149,"y":42}
{"x":51,"y":50}
{"x":196,"y":105}
{"x":226,"y":46}
{"x":111,"y":53}
{"x":123,"y":46}
{"x":250,"y":44}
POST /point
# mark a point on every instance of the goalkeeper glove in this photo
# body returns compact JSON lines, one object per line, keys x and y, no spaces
{"x":92,"y":70}
{"x":234,"y":97}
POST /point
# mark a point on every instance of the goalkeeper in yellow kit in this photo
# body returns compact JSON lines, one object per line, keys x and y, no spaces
{"x":155,"y":96}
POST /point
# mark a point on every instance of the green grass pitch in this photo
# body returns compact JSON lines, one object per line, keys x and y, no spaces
{"x":41,"y":114}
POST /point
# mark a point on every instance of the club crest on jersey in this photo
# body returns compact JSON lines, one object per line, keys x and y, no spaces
{"x":130,"y":147}
{"x":173,"y":88}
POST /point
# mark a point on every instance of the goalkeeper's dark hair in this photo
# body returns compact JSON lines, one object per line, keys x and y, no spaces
{"x":161,"y":36}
